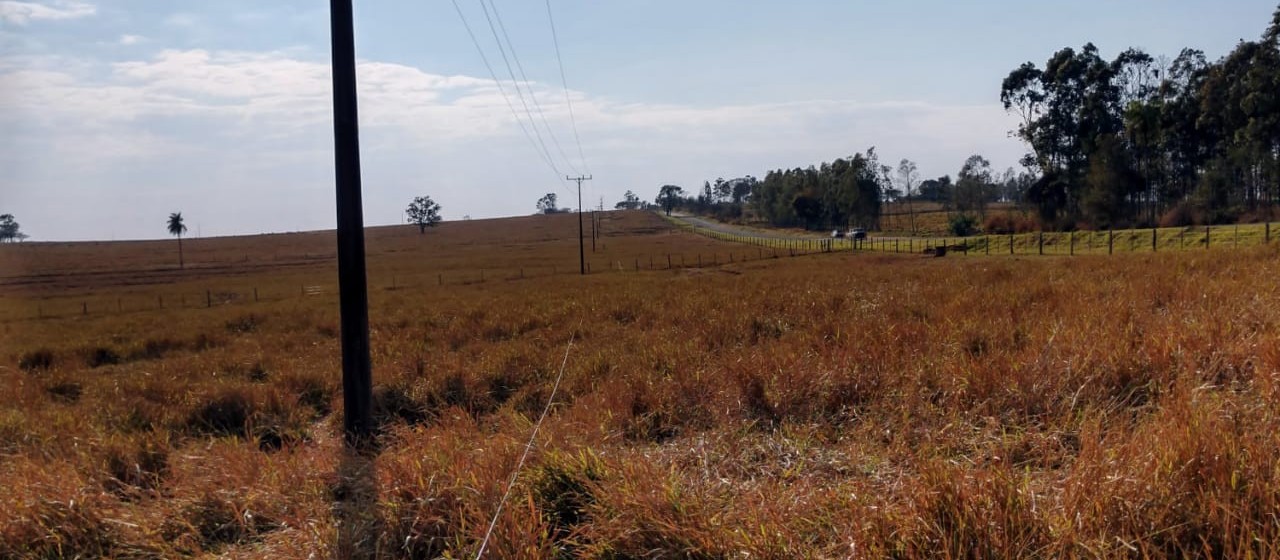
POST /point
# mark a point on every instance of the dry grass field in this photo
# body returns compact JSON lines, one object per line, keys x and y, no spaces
{"x":829,"y":406}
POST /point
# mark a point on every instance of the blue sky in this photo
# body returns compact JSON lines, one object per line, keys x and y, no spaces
{"x":116,"y":113}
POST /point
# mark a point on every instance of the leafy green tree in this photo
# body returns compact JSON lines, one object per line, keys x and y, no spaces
{"x":547,"y":204}
{"x":974,"y":186}
{"x":669,"y":197}
{"x":10,"y":231}
{"x":424,"y":213}
{"x":629,"y":202}
{"x":176,"y":229}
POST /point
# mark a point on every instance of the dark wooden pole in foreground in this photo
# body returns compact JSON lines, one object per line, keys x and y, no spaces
{"x":357,"y":381}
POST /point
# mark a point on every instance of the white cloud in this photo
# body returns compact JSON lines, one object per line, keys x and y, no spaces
{"x":22,"y":13}
{"x":245,"y":125}
{"x":132,"y":39}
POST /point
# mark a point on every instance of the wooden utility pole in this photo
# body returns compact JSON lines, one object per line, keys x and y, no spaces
{"x":357,"y":379}
{"x":593,"y":231}
{"x":582,"y":250}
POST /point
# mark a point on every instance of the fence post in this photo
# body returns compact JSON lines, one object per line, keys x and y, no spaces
{"x":208,"y":298}
{"x":1010,"y":243}
{"x":1235,"y":240}
{"x":1267,"y":238}
{"x":1153,"y":239}
{"x":1042,"y":242}
{"x":1206,"y":237}
{"x":1073,"y":244}
{"x":1111,"y":241}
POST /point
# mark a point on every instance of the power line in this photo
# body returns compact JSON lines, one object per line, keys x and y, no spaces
{"x":484,"y":543}
{"x":503,"y":91}
{"x":532,"y":95}
{"x":516,"y":83}
{"x":573,"y":121}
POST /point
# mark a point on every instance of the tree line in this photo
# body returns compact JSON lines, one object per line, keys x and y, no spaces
{"x":1140,"y":141}
{"x":1135,"y":141}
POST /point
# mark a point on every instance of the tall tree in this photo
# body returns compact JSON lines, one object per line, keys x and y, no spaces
{"x":10,"y":231}
{"x":177,"y":228}
{"x":424,"y":213}
{"x":629,"y":202}
{"x":908,"y":178}
{"x":547,"y":204}
{"x":974,"y":186}
{"x":669,"y":197}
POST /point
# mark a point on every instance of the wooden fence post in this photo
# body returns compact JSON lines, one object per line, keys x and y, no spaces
{"x":1153,"y":239}
{"x":1073,"y":244}
{"x":1111,"y":241}
{"x":208,"y":298}
{"x":1042,"y":242}
{"x":1206,"y":237}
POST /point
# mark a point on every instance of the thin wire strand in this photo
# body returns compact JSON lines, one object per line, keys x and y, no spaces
{"x":519,"y":92}
{"x":503,"y":91}
{"x":536,"y":105}
{"x":528,"y":446}
{"x":573,"y":121}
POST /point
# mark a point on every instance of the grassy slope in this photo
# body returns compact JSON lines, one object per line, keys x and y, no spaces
{"x":824,"y":406}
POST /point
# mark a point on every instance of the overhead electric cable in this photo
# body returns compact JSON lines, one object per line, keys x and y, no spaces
{"x":532,"y":95}
{"x":527,"y":447}
{"x":516,"y":83}
{"x":514,"y":113}
{"x":573,"y":121}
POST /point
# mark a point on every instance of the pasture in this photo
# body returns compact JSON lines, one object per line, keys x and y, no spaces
{"x":835,"y":405}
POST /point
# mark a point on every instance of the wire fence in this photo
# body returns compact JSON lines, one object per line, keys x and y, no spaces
{"x":219,"y":295}
{"x":754,"y":248}
{"x":1034,"y":243}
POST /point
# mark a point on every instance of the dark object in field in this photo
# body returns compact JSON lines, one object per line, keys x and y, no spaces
{"x":36,"y":360}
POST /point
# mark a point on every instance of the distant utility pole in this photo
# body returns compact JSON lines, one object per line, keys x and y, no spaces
{"x":593,"y":231}
{"x":353,"y":300}
{"x":582,"y":248}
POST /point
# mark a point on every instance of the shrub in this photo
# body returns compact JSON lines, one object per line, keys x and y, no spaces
{"x":141,"y":466}
{"x":226,"y":414}
{"x":1181,"y":215}
{"x":243,"y":325}
{"x":101,"y":356}
{"x":155,"y":349}
{"x":220,"y":521}
{"x":65,"y":391}
{"x":36,"y":360}
{"x":564,"y":491}
{"x":962,"y":225}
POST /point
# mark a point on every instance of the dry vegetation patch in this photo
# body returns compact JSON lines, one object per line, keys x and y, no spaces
{"x":827,"y":406}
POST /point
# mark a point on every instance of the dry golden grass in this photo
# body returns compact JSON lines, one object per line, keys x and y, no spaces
{"x":831,"y":406}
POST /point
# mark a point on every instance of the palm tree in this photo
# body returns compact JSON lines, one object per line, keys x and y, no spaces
{"x":177,"y":228}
